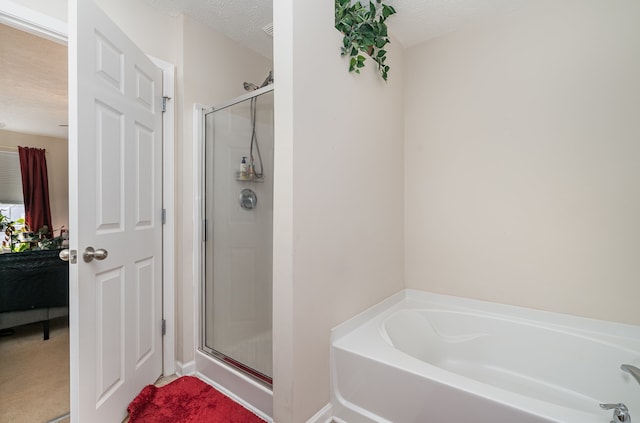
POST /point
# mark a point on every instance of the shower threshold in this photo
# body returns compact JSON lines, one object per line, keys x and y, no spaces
{"x":252,"y":373}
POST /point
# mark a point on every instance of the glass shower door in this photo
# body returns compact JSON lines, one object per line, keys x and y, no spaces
{"x":239,"y":231}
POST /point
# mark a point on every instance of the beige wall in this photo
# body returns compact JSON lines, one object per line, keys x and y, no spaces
{"x":522,"y":155}
{"x":57,"y":169}
{"x":338,"y":198}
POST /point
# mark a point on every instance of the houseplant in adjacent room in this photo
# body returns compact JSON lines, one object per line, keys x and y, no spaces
{"x":365,"y":32}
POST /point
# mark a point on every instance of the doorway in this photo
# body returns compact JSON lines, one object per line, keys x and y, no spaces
{"x":47,"y":27}
{"x":34,"y":373}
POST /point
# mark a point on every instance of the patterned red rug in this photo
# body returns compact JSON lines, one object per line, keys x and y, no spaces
{"x":187,"y":400}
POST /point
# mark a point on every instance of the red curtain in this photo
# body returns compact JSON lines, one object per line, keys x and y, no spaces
{"x":35,"y":188}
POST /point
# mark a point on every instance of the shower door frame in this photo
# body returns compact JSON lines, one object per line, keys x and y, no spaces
{"x":222,"y":371}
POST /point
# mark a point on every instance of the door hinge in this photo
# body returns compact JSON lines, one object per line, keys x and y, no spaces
{"x":164,"y":327}
{"x":164,"y":103}
{"x":164,"y":216}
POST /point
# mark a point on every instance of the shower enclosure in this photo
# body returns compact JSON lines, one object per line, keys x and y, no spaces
{"x":238,"y":232}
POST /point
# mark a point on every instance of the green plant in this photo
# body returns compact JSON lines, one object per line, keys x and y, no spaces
{"x":13,"y":231}
{"x":365,"y":31}
{"x":5,"y":227}
{"x":13,"y":242}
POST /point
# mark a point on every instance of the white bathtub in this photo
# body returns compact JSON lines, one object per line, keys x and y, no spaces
{"x":428,"y":358}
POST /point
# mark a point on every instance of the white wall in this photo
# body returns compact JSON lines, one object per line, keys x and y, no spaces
{"x":338,"y":198}
{"x":522,"y":151}
{"x":57,"y":169}
{"x":155,"y":32}
{"x":54,"y":8}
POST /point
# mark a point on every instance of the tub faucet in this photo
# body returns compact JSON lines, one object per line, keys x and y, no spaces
{"x":632,"y":370}
{"x":620,"y":412}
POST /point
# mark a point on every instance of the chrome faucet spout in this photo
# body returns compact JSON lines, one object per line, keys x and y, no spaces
{"x":632,"y":370}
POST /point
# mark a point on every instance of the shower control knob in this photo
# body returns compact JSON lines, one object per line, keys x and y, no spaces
{"x":248,"y":199}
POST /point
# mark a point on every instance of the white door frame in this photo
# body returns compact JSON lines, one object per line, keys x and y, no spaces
{"x":34,"y":22}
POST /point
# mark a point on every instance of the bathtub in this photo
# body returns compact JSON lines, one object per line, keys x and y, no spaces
{"x":429,"y":358}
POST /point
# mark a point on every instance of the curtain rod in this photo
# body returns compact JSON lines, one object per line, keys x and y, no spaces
{"x":15,"y":147}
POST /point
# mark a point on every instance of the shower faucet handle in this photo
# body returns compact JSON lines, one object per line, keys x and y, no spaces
{"x":620,"y":412}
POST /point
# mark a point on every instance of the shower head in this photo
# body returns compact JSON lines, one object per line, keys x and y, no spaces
{"x":268,"y":80}
{"x":248,"y":86}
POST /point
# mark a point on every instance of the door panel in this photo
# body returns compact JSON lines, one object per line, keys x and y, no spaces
{"x":115,"y":144}
{"x":238,"y":250}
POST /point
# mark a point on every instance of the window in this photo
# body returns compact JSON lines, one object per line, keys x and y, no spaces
{"x":11,"y":201}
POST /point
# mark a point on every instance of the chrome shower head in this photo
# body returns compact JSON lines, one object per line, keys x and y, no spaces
{"x":248,"y":86}
{"x":268,"y":80}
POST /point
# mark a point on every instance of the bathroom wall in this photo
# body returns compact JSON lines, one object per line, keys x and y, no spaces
{"x":338,"y":200}
{"x":57,"y":169}
{"x":521,"y":160}
{"x":155,"y":32}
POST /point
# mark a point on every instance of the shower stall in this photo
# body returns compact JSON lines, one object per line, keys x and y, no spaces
{"x":237,"y":210}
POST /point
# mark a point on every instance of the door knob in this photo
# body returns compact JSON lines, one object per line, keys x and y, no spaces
{"x":64,"y":255}
{"x":68,"y":255}
{"x":90,"y":254}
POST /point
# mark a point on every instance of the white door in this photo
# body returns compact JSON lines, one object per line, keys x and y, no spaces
{"x":115,"y":147}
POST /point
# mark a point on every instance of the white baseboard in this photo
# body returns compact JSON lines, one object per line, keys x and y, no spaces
{"x":324,"y":415}
{"x":183,"y":369}
{"x":236,"y":398}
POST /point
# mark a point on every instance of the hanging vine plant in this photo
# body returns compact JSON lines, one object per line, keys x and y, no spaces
{"x":365,"y":32}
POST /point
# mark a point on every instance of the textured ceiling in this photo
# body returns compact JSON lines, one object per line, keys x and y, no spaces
{"x":33,"y":77}
{"x":240,"y":20}
{"x":416,"y":21}
{"x":420,"y":20}
{"x":33,"y":71}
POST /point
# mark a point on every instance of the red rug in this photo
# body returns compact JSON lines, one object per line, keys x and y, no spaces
{"x":187,"y":399}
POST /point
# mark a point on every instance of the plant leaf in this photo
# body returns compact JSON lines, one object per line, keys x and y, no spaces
{"x":387,"y":11}
{"x":365,"y":32}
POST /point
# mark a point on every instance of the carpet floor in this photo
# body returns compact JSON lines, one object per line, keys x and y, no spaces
{"x":34,"y":374}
